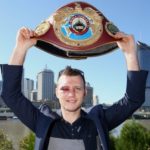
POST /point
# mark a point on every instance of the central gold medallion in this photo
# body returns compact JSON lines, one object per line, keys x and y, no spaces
{"x":77,"y":26}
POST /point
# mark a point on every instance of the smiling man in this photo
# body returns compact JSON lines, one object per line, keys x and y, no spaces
{"x":71,"y":90}
{"x":72,"y":128}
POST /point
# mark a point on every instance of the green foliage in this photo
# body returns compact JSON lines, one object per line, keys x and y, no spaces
{"x":112,"y":142}
{"x":5,"y":144}
{"x":27,"y":143}
{"x":133,"y":136}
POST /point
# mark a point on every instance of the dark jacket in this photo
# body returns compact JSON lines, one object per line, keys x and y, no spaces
{"x":105,"y":119}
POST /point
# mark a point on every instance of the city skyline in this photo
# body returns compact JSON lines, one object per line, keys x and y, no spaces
{"x":107,"y":73}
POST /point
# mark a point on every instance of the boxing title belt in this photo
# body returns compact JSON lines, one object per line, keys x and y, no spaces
{"x":77,"y":31}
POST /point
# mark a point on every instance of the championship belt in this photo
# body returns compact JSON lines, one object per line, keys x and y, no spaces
{"x":76,"y":31}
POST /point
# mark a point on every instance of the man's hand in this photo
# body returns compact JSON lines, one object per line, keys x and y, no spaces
{"x":128,"y":45}
{"x":24,"y":41}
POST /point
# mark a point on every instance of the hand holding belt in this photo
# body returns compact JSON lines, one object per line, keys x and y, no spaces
{"x":76,"y":31}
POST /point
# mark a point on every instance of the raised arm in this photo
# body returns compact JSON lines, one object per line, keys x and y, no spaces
{"x":135,"y":89}
{"x":128,"y":45}
{"x":12,"y":78}
{"x":24,"y":41}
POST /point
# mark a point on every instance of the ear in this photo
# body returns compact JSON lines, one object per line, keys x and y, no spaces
{"x":56,"y":92}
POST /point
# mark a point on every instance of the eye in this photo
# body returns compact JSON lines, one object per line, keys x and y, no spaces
{"x":79,"y":88}
{"x":64,"y":89}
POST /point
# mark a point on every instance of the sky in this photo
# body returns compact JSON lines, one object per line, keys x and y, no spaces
{"x":105,"y":73}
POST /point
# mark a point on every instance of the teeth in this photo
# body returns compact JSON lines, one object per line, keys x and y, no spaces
{"x":71,"y":101}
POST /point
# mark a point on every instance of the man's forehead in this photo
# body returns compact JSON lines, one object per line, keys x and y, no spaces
{"x":66,"y":80}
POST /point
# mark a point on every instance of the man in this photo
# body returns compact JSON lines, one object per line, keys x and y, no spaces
{"x":72,"y":128}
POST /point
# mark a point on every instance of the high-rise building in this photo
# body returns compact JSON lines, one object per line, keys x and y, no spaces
{"x":95,"y":100}
{"x":88,"y":101}
{"x":144,"y":59}
{"x":0,"y":87}
{"x":1,"y":101}
{"x":45,"y":85}
{"x":34,"y":95}
{"x":22,"y":82}
{"x":146,"y":104}
{"x":28,"y":87}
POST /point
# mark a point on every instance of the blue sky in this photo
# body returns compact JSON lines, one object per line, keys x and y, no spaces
{"x":107,"y":73}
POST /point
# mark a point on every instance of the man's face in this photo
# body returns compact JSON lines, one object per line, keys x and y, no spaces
{"x":70,"y":91}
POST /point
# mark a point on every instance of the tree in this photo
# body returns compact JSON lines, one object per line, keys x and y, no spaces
{"x":112,"y":142}
{"x":133,"y":137}
{"x":27,"y":143}
{"x":5,"y":144}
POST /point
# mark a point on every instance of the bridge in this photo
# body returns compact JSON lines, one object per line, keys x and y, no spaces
{"x":6,"y":113}
{"x":141,"y":115}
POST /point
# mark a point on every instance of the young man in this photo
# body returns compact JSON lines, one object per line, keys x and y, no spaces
{"x":72,"y":129}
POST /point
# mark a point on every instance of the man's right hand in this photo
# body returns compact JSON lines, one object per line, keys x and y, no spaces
{"x":24,"y":40}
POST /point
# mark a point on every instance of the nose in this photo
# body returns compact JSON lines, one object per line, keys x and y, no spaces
{"x":71,"y":92}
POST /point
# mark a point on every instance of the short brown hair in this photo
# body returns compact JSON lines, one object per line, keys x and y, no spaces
{"x":69,"y":71}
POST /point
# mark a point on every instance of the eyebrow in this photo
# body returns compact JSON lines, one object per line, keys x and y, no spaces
{"x":67,"y":86}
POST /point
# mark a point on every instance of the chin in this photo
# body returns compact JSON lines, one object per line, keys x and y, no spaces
{"x":73,"y":109}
